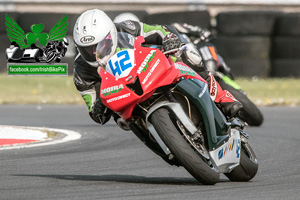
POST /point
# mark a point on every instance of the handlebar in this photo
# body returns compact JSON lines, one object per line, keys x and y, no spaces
{"x":177,"y":52}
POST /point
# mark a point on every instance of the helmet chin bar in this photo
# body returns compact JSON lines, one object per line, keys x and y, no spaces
{"x":93,"y":64}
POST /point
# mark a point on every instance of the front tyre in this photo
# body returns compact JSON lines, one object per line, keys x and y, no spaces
{"x":248,"y":165}
{"x":189,"y":158}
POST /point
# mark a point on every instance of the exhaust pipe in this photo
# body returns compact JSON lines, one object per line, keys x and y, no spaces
{"x":123,"y":124}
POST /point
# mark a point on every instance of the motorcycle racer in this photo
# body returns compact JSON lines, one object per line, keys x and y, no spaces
{"x":95,"y":36}
{"x":126,"y":16}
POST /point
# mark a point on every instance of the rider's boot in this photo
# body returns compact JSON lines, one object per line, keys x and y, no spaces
{"x":224,"y":99}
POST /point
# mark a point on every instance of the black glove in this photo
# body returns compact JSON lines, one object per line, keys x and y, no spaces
{"x":100,"y":112}
{"x":171,"y":41}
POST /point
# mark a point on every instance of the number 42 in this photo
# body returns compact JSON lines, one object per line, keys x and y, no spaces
{"x":121,"y":63}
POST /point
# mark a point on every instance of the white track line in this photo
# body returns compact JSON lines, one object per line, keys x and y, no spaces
{"x":70,"y":136}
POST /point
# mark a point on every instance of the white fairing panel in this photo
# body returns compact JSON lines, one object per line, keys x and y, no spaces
{"x":227,"y":156}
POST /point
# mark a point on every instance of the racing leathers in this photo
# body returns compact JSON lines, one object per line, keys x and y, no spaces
{"x":87,"y":80}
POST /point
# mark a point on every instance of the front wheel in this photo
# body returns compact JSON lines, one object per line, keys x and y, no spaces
{"x":200,"y":167}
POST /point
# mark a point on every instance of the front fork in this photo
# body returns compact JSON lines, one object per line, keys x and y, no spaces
{"x":178,"y":111}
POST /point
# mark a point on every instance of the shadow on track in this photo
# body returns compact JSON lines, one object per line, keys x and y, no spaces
{"x":121,"y":178}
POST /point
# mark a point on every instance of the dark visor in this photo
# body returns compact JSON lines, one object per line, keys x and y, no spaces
{"x":88,"y":53}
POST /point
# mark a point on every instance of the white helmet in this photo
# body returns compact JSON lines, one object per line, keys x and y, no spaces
{"x":95,"y":36}
{"x":126,"y":16}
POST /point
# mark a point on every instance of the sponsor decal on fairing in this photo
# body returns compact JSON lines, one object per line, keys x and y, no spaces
{"x":151,"y":71}
{"x":185,"y":70}
{"x":112,"y":90}
{"x":146,"y":62}
{"x":118,"y":98}
{"x":228,"y":154}
{"x":223,"y":151}
{"x":238,"y":148}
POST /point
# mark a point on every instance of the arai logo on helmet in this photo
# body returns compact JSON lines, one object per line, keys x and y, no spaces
{"x":87,"y":39}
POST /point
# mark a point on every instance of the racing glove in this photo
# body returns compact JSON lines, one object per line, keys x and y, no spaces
{"x":171,"y":41}
{"x":100,"y":113}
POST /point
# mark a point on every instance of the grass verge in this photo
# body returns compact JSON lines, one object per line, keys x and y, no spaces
{"x":272,"y":91}
{"x":38,"y":90}
{"x":61,"y":90}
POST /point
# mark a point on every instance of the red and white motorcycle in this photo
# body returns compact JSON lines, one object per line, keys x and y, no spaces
{"x":168,"y":107}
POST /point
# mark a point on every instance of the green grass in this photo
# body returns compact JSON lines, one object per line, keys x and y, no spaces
{"x":273,"y":91}
{"x":38,"y":90}
{"x":61,"y":90}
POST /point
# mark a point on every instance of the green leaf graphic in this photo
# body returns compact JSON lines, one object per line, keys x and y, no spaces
{"x":37,"y":35}
{"x":59,"y":30}
{"x":14,"y":32}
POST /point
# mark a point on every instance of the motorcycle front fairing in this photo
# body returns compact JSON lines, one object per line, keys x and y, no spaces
{"x":132,"y":76}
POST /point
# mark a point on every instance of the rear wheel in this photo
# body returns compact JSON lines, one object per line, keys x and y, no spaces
{"x":193,"y":156}
{"x":249,"y":113}
{"x":248,"y":165}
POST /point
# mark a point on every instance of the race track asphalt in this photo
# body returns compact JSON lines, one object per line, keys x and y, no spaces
{"x":109,"y":163}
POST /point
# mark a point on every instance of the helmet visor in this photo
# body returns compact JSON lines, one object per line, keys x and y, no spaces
{"x":104,"y":49}
{"x":88,"y":53}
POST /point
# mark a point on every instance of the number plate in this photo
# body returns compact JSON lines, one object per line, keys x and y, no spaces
{"x":121,"y":64}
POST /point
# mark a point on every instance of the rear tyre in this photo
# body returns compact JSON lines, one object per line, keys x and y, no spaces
{"x":250,"y":113}
{"x":202,"y":169}
{"x":248,"y":165}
